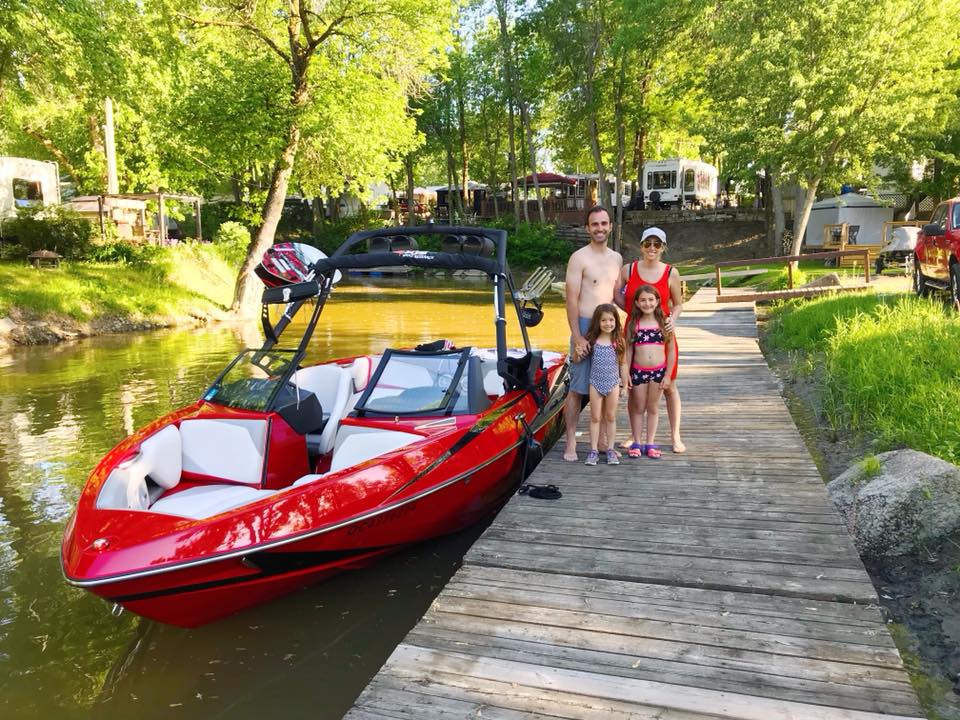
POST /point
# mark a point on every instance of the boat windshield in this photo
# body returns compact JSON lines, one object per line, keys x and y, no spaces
{"x":251,"y":380}
{"x":416,"y":383}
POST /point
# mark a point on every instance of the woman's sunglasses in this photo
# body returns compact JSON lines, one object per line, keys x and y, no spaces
{"x":652,"y":243}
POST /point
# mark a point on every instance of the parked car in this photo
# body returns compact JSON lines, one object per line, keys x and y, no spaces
{"x":899,"y":251}
{"x":937,"y":256}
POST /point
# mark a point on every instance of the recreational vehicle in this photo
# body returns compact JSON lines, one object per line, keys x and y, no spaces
{"x":25,"y":182}
{"x":679,"y":182}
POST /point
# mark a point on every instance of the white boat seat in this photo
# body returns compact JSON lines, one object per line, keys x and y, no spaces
{"x":492,"y":382}
{"x":208,"y":500}
{"x":361,"y":369}
{"x":358,"y":444}
{"x":332,"y":385}
{"x":225,"y":448}
{"x":159,"y":460}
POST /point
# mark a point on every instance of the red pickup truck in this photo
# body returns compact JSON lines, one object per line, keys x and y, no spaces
{"x":936,"y":262}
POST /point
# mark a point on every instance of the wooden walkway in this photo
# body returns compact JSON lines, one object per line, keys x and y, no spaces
{"x":716,"y":584}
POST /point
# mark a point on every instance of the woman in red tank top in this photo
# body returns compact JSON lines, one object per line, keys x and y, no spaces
{"x":651,"y":270}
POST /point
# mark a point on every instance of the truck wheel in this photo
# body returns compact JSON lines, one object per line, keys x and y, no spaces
{"x":919,"y":281}
{"x":955,"y":284}
{"x":879,"y":267}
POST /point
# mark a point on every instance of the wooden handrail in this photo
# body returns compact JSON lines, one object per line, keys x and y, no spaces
{"x":790,"y":259}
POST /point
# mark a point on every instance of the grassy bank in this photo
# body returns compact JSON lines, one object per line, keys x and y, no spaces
{"x":168,"y":285}
{"x":886,"y":367}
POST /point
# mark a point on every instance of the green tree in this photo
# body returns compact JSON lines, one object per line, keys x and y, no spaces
{"x":817,"y":90}
{"x":328,"y":50}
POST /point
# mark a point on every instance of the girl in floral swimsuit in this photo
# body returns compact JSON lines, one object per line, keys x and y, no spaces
{"x":651,"y":351}
{"x":608,"y":370}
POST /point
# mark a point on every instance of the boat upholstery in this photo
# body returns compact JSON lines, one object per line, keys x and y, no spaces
{"x":159,"y":458}
{"x":206,"y":501}
{"x":356,"y":444}
{"x":332,"y":385}
{"x":492,"y":382}
{"x":362,"y":370}
{"x":226,"y":448}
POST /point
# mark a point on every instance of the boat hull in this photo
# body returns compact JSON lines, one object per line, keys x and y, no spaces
{"x":203,"y":590}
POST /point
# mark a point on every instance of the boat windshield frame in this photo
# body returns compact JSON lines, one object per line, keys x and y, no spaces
{"x":325,"y":271}
{"x":448,"y":401}
{"x":270,"y":385}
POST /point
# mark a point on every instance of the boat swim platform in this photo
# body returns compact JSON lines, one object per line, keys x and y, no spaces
{"x":720,"y":583}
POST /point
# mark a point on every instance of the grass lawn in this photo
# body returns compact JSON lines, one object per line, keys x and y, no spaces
{"x":886,"y":366}
{"x":179,"y":281}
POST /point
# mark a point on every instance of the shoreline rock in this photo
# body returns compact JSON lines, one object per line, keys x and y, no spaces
{"x":27,"y":329}
{"x":905,"y":502}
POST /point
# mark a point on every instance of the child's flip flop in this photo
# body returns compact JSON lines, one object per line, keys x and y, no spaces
{"x":637,"y":450}
{"x":653,"y":452}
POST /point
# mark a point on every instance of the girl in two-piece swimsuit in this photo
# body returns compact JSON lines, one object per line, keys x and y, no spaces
{"x":650,"y":352}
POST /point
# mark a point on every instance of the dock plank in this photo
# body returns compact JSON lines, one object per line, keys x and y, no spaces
{"x":716,"y":584}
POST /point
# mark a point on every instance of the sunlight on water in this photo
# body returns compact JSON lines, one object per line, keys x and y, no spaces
{"x":62,"y":654}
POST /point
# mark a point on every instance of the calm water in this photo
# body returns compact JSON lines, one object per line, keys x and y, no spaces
{"x":64,"y":655}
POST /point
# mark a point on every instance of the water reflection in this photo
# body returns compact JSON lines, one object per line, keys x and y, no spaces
{"x":61,"y":652}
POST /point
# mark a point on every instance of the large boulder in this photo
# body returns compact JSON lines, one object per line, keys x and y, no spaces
{"x":911,"y":501}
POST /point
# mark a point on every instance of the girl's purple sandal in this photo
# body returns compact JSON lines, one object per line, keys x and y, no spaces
{"x":653,"y":452}
{"x":637,"y":450}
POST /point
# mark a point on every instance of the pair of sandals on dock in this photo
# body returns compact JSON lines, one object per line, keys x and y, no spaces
{"x":651,"y":451}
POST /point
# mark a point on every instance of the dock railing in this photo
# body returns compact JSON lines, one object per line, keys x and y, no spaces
{"x":788,"y":260}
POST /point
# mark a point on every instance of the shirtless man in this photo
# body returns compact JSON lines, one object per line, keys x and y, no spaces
{"x":592,"y":275}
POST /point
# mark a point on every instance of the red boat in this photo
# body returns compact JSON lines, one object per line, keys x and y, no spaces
{"x":284,"y":474}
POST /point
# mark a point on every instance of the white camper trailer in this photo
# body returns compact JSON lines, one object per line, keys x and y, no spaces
{"x":864,"y":216}
{"x":679,"y":182}
{"x":25,"y":182}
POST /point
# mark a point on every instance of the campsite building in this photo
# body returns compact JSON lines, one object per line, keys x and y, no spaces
{"x":25,"y":182}
{"x":863,"y":215}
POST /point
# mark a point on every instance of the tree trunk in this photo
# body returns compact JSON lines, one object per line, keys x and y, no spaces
{"x":394,"y":203}
{"x":621,"y":153}
{"x":526,"y":188}
{"x":508,"y":82}
{"x":532,"y":152}
{"x":640,"y":142}
{"x":779,"y":221}
{"x":461,"y":117}
{"x":318,"y":212}
{"x":96,"y":144}
{"x":768,"y":212}
{"x":493,"y":150}
{"x":603,"y":190}
{"x":593,"y":132}
{"x":411,"y":202}
{"x":804,"y":217}
{"x":246,"y":294}
{"x":235,"y":187}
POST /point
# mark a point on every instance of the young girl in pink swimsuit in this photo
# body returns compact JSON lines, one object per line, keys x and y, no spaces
{"x":650,"y":351}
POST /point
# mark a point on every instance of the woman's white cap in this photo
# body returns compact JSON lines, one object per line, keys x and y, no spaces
{"x":654,"y":232}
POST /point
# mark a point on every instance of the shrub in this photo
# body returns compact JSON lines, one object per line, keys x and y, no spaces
{"x":330,"y":235}
{"x":50,"y":228}
{"x":231,"y":242}
{"x":530,"y":245}
{"x":215,"y":214}
{"x":125,"y":253}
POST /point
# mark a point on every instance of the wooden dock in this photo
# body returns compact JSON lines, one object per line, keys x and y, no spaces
{"x":716,"y":584}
